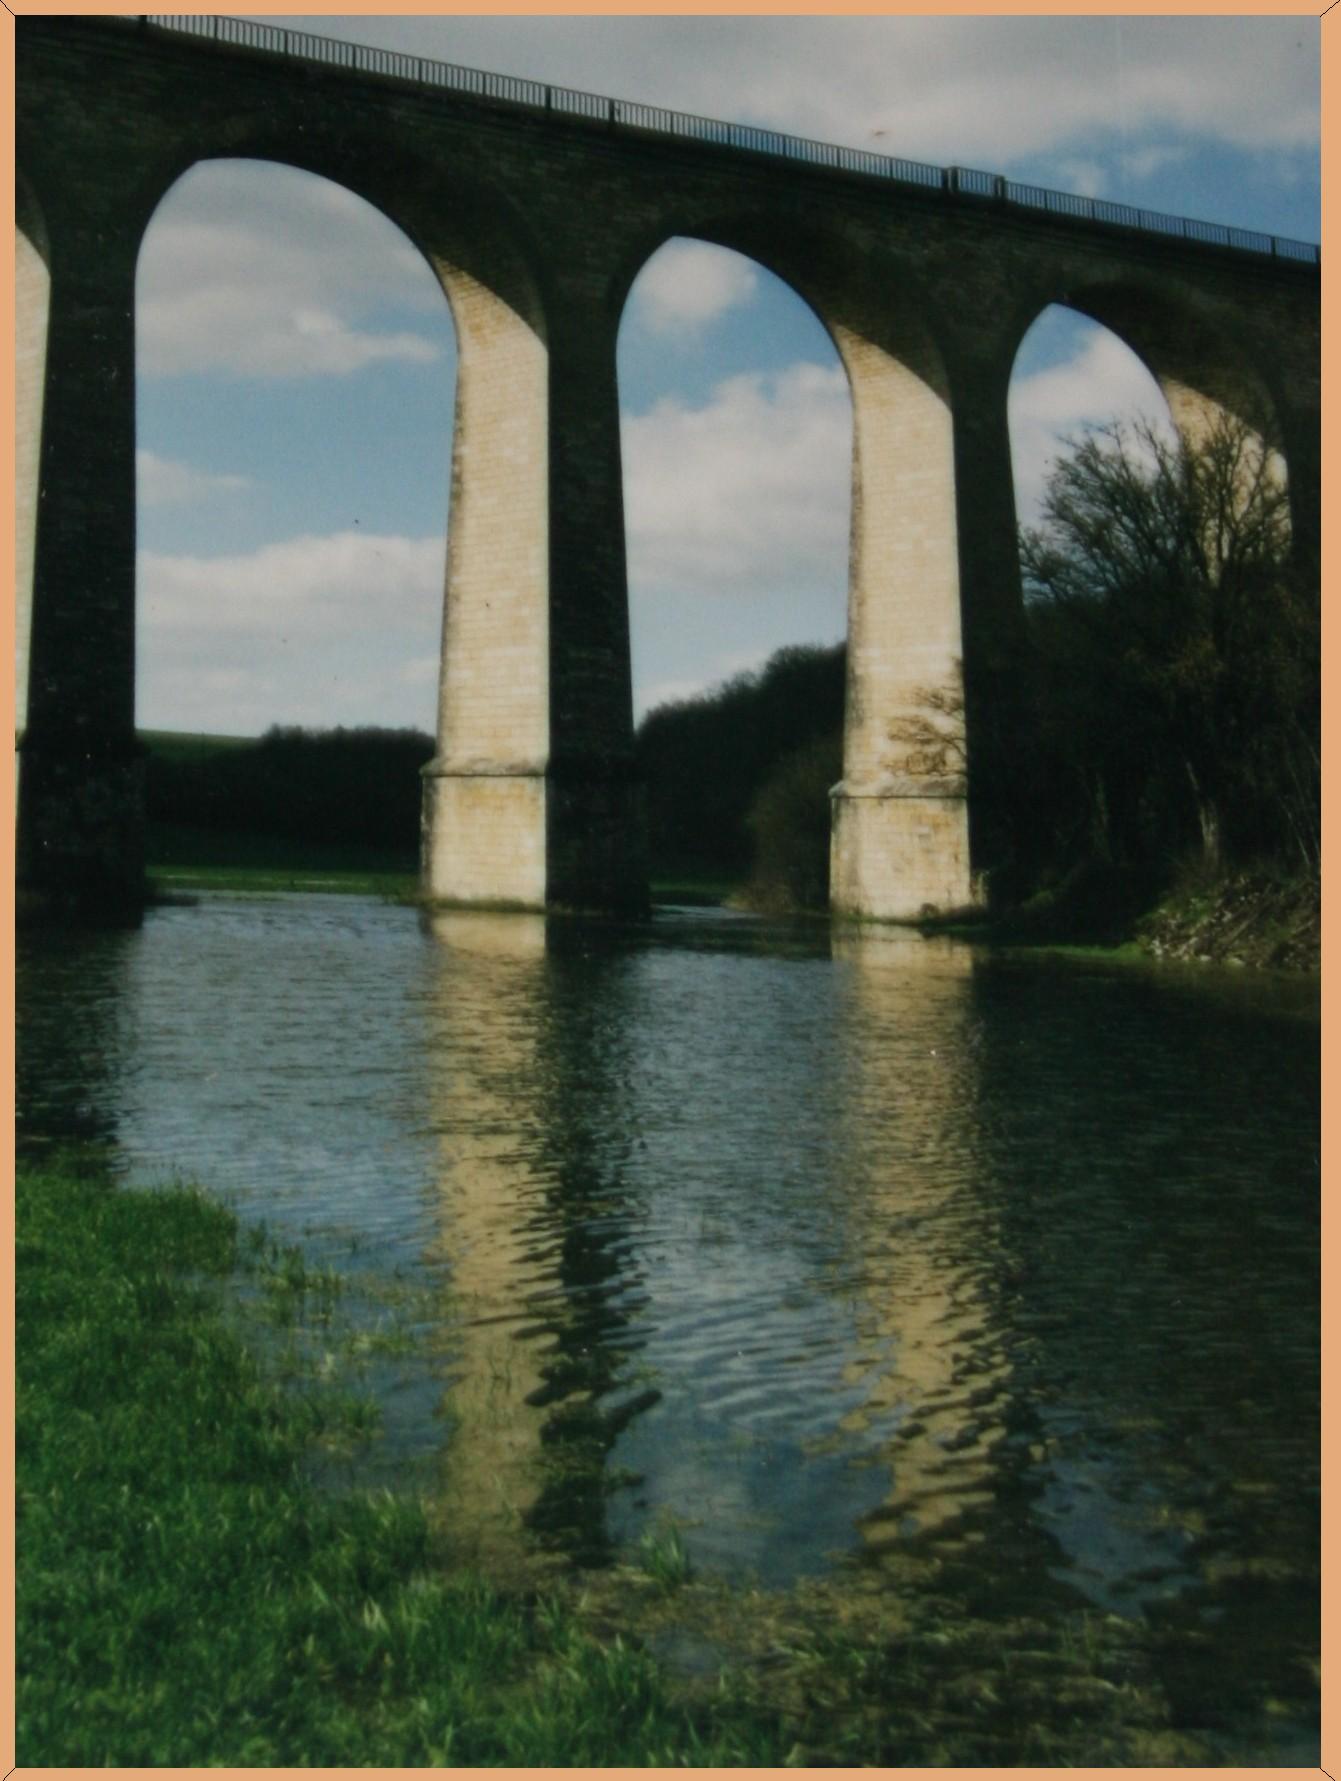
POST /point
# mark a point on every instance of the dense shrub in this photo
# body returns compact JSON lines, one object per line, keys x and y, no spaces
{"x":789,"y":822}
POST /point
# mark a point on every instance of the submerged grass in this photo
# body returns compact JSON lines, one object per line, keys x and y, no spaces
{"x":186,"y":1598}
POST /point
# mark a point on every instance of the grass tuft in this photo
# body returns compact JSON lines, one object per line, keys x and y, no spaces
{"x":663,"y":1557}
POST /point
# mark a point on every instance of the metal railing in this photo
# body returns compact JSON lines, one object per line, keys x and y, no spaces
{"x":653,"y":120}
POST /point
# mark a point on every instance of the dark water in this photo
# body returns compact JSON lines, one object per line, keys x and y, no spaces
{"x":834,"y":1249}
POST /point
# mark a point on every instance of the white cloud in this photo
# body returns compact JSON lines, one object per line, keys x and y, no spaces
{"x":304,"y":586}
{"x":748,"y":493}
{"x":689,"y":284}
{"x":263,"y":271}
{"x":313,"y":630}
{"x":1085,"y":178}
{"x":1141,"y":163}
{"x":987,"y":91}
{"x":166,"y":482}
{"x":1102,"y":381}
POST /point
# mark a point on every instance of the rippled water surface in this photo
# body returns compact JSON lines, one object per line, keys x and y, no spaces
{"x":834,"y":1248}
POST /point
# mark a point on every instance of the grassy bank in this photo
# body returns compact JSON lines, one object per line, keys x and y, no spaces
{"x":185,"y":859}
{"x":1266,"y":919}
{"x":185,"y":1598}
{"x":172,"y":883}
{"x":1262,"y":919}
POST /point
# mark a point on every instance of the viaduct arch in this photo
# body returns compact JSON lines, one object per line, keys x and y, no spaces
{"x":536,"y":207}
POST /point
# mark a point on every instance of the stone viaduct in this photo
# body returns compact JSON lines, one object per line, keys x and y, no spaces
{"x":536,"y":207}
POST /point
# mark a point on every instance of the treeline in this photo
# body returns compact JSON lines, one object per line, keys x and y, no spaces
{"x":338,"y":788}
{"x":723,"y":770}
{"x":1171,"y":708}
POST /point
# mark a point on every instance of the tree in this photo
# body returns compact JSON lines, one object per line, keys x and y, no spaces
{"x":1175,"y":672}
{"x":789,"y":822}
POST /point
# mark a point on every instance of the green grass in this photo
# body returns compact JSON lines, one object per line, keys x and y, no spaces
{"x":185,"y":1598}
{"x":663,"y":1557}
{"x":186,"y":745}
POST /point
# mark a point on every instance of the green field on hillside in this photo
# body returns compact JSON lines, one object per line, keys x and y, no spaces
{"x":185,"y":745}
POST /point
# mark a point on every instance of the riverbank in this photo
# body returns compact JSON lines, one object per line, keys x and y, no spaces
{"x":1262,"y":920}
{"x":188,"y":1596}
{"x":1247,"y":919}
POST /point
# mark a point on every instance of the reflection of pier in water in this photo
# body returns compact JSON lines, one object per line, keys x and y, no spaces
{"x":72,"y":1043}
{"x":533,"y":1230}
{"x":921,"y":1243}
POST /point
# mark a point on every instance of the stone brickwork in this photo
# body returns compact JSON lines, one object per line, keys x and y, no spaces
{"x":536,"y":225}
{"x":900,"y":855}
{"x":484,"y":839}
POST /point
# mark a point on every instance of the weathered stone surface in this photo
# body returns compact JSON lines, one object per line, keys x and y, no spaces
{"x":536,"y":225}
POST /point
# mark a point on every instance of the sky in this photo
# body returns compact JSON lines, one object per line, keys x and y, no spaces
{"x":295,"y":357}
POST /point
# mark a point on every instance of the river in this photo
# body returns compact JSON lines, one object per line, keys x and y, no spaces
{"x":835,"y":1250}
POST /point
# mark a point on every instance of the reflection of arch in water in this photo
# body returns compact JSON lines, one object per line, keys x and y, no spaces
{"x":927,"y":1355}
{"x":531,"y":1228}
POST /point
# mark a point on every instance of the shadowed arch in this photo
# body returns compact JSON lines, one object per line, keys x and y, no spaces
{"x":904,"y":659}
{"x":460,"y":225}
{"x":864,"y":294}
{"x":1200,"y":358}
{"x":1202,"y":364}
